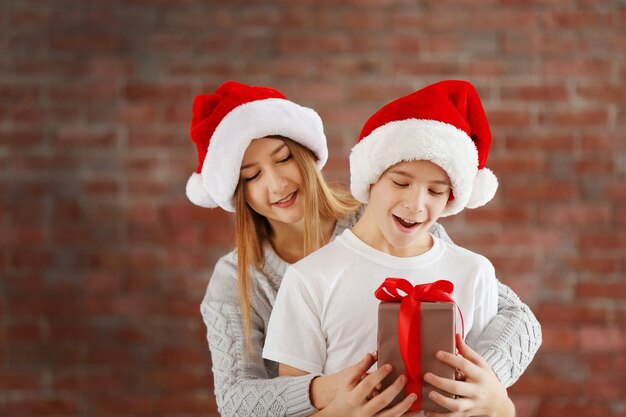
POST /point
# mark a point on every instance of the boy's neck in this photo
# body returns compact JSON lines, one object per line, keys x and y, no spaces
{"x":368,"y":232}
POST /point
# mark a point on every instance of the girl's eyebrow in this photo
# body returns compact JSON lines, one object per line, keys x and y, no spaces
{"x":408,"y":175}
{"x":274,"y":152}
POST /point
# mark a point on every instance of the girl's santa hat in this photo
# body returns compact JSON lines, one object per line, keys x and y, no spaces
{"x":225,"y":122}
{"x":443,"y":123}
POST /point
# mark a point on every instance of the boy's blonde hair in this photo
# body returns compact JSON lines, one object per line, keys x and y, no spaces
{"x":252,"y":229}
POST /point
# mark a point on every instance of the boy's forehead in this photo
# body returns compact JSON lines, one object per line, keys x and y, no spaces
{"x":411,"y":168}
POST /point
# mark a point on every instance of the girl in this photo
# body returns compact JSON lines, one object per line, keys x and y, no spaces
{"x":260,"y":156}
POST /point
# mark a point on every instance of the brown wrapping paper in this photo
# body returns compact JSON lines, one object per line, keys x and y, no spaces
{"x":437,"y":334}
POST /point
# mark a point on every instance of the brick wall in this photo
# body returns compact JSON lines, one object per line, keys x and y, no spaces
{"x":103,"y":261}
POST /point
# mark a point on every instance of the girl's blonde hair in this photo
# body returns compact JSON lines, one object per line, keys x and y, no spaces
{"x":253,"y":229}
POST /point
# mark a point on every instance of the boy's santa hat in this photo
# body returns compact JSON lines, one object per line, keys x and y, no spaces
{"x":225,"y":122}
{"x":443,"y":123}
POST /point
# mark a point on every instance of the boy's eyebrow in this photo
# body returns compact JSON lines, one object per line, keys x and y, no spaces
{"x":408,"y":175}
{"x":274,"y":152}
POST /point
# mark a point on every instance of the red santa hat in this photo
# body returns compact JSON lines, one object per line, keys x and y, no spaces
{"x":225,"y":122}
{"x":443,"y":123}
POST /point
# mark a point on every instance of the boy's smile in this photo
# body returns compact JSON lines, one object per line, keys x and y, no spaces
{"x":404,"y":203}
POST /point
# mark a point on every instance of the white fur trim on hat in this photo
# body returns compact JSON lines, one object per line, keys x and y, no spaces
{"x":411,"y":140}
{"x":485,"y":187}
{"x":256,"y":119}
{"x":197,"y":193}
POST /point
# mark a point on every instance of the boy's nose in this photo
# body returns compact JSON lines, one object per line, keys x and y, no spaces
{"x":415,"y":201}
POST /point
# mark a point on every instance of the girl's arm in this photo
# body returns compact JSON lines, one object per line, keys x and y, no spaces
{"x":242,"y":384}
{"x":513,"y":329}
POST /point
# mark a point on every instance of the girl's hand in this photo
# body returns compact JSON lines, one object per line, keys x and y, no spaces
{"x":480,"y":394}
{"x":353,"y":392}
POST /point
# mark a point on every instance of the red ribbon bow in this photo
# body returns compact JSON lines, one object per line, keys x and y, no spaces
{"x":410,"y":323}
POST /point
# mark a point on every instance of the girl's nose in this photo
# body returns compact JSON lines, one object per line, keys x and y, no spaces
{"x":276,"y":181}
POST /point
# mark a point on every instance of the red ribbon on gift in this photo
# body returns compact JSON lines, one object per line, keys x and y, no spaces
{"x":410,"y":323}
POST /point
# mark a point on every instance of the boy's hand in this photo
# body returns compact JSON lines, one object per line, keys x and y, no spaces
{"x":354,"y":392}
{"x":480,"y":393}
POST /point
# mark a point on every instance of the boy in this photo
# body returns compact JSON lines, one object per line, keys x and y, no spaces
{"x":419,"y":158}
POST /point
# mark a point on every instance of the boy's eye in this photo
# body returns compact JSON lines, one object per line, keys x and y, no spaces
{"x":435,"y":192}
{"x":399,"y":184}
{"x":252,"y":178}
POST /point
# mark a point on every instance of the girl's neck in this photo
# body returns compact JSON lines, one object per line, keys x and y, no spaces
{"x":288,"y":239}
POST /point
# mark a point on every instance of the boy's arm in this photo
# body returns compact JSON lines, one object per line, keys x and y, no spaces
{"x":286,"y":370}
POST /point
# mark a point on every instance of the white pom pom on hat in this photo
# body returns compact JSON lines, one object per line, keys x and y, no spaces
{"x":444,"y":123}
{"x":225,"y":122}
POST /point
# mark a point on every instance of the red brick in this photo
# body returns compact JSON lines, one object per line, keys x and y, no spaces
{"x":592,"y":68}
{"x":580,"y":215}
{"x":602,"y":339}
{"x":39,"y":406}
{"x":541,"y":191}
{"x":606,"y":388}
{"x":603,"y":241}
{"x":509,"y":215}
{"x":559,"y":339}
{"x":150,"y":92}
{"x":571,"y":407}
{"x":577,"y":19}
{"x":567,"y":313}
{"x":601,"y":290}
{"x":14,"y":380}
{"x":600,"y":264}
{"x":94,"y":382}
{"x":133,"y":403}
{"x":575,"y":118}
{"x":620,"y":216}
{"x":539,"y":93}
{"x":517,"y":142}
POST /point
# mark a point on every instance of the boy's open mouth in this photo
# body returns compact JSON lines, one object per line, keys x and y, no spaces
{"x":406,"y":222}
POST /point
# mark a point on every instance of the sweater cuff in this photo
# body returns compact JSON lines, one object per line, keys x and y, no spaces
{"x":501,"y":366}
{"x":298,"y":396}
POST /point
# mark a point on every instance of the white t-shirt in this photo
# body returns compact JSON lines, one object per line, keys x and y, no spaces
{"x":325,"y":316}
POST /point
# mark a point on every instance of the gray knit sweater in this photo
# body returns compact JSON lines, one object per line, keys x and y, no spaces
{"x":247,"y":385}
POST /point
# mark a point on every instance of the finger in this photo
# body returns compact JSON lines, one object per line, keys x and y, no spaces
{"x":359,"y":369}
{"x":383,"y":399}
{"x":470,"y":370}
{"x":452,"y":404}
{"x":449,"y":385}
{"x":398,"y":409}
{"x":469,"y":353}
{"x":370,"y":382}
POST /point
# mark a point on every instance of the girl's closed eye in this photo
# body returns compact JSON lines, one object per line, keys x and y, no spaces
{"x":252,"y":178}
{"x":285,"y":159}
{"x":436,"y":192}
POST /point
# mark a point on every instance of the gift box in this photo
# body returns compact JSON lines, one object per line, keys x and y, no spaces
{"x":411,"y":330}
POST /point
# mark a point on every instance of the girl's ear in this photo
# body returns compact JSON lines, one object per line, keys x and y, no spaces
{"x":451,"y":197}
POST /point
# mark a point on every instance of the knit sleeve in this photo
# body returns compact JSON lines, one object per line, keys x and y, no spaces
{"x":242,"y":384}
{"x":511,"y":339}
